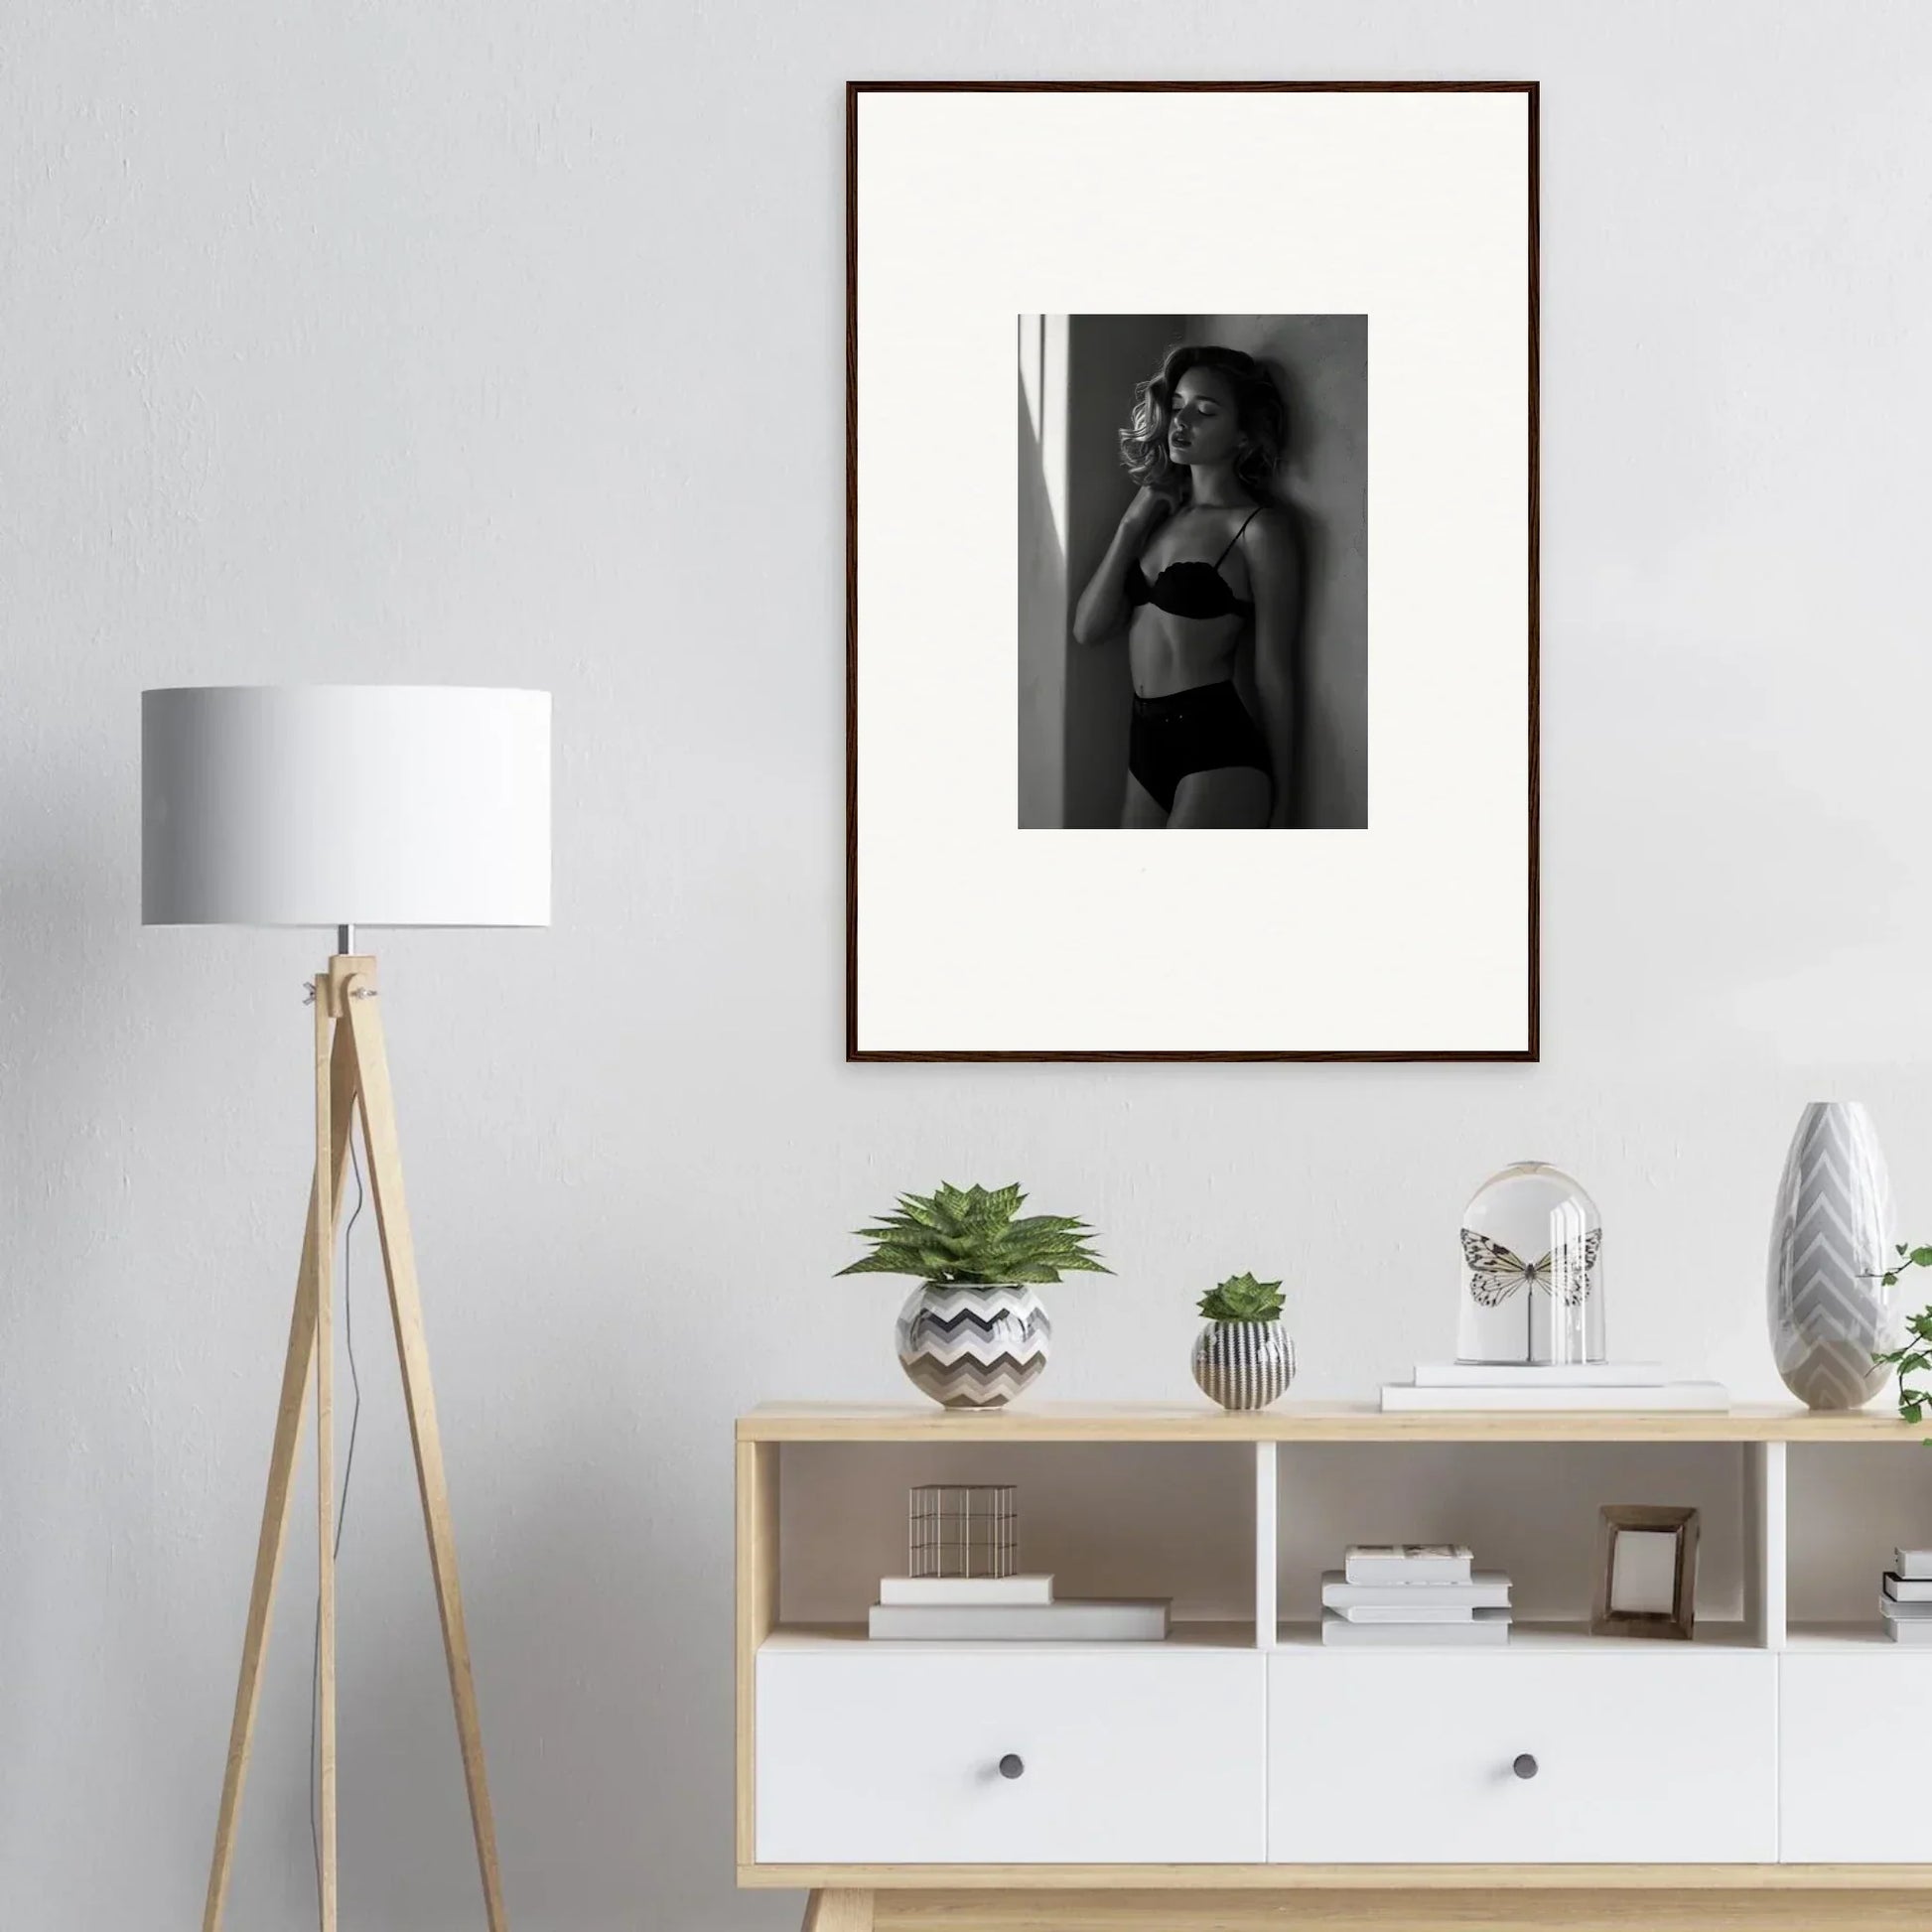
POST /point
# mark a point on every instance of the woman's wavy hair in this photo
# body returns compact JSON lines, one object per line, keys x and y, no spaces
{"x":1258,"y":405}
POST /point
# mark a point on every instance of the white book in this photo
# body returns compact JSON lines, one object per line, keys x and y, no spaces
{"x":1915,"y":1566}
{"x":1537,"y":1375}
{"x":1483,"y":1627}
{"x":1704,"y":1398}
{"x":1908,"y":1590}
{"x":1486,"y":1590}
{"x":1905,"y":1612}
{"x":1406,"y":1563}
{"x":1411,"y":1614}
{"x":1909,"y":1632}
{"x":1138,"y":1619}
{"x":966,"y":1589}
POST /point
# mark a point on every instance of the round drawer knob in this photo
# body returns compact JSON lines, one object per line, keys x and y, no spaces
{"x":1011,"y":1765}
{"x":1525,"y":1767}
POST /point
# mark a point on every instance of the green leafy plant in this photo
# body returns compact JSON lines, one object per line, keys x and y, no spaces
{"x":1915,"y":1357}
{"x":976,"y":1235}
{"x":1243,"y":1299}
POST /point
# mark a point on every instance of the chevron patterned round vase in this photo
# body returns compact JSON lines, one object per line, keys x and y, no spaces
{"x":970,"y":1346}
{"x":1831,"y":1240}
{"x":1243,"y":1364}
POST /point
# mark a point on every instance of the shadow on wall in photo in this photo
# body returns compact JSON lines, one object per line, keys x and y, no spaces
{"x":1324,"y":475}
{"x":1311,"y":555}
{"x":1320,"y":364}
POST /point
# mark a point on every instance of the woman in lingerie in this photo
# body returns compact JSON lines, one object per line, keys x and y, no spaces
{"x":1201,"y":557}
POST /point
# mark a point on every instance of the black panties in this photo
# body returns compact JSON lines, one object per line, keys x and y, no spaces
{"x":1203,"y":728}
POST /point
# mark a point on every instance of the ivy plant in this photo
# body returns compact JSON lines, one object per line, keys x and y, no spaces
{"x":975,"y":1235}
{"x":1915,"y":1357}
{"x":1243,"y":1299}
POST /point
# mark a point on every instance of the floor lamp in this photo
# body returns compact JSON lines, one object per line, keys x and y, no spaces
{"x":343,"y":806}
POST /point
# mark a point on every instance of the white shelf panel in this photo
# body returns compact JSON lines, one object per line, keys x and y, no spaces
{"x":847,"y":1636}
{"x":1537,"y":1636}
{"x":1851,"y":1636}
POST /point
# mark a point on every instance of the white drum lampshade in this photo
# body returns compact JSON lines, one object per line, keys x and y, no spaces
{"x":345,"y":805}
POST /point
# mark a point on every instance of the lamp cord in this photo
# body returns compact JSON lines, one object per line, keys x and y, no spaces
{"x":342,"y":1507}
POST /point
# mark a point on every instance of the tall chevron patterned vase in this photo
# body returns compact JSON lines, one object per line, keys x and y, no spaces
{"x":972,"y":1346}
{"x":1831,"y":1239}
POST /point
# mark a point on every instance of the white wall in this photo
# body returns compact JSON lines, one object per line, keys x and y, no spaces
{"x":495,"y":344}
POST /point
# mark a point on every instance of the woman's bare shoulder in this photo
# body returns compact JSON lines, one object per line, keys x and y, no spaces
{"x":1271,"y":533}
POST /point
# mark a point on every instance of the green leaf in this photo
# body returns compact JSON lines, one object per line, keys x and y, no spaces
{"x":1241,"y":1298}
{"x":883,"y":1263}
{"x":971,"y":1234}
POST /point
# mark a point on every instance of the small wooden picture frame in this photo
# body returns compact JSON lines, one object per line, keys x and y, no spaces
{"x":1646,"y":1572}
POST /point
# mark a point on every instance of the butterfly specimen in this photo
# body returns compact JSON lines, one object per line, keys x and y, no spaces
{"x":1496,"y":1274}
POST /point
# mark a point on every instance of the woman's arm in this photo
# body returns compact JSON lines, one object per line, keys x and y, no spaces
{"x":1103,"y":606}
{"x":1275,"y":575}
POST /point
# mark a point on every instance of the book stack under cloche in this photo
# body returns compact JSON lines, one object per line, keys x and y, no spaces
{"x":1906,"y":1597}
{"x":1449,"y":1388}
{"x":1413,"y":1593}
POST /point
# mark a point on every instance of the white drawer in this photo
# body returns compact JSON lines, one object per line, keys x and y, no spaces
{"x":890,"y":1754}
{"x":1852,"y":1757}
{"x":1659,"y":1756}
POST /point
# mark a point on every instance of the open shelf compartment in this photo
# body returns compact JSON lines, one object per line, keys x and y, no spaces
{"x":1530,"y":1513}
{"x":1105,"y":1520}
{"x":1847,"y":1506}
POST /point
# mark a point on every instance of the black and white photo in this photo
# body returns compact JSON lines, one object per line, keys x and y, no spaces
{"x":1192,"y":652}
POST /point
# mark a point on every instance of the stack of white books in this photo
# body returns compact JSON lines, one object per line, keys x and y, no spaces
{"x":1020,"y":1609}
{"x":1452,"y":1387}
{"x":1906,"y":1598}
{"x":1413,"y":1592}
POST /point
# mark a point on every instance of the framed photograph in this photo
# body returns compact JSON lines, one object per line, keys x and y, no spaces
{"x":1191,"y":485}
{"x":1646,"y":1572}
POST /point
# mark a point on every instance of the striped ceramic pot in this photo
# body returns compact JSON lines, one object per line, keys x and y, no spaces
{"x":1243,"y":1364}
{"x":970,"y":1346}
{"x":1831,"y":1240}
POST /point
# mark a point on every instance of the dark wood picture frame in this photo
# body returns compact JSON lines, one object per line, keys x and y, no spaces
{"x":855,"y":90}
{"x":1679,"y":1623}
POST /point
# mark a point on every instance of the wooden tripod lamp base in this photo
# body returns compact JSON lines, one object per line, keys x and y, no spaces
{"x":351,"y":1079}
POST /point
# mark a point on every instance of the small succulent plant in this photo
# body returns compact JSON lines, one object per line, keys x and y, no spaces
{"x":1243,"y":1299}
{"x":975,"y":1235}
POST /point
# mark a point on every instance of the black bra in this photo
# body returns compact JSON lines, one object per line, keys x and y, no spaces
{"x":1192,"y":590}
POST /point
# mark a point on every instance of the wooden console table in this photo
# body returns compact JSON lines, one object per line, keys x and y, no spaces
{"x":1766,"y":1777}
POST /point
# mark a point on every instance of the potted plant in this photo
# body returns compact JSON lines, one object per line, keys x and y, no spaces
{"x":974,"y":1335}
{"x":1243,"y":1357}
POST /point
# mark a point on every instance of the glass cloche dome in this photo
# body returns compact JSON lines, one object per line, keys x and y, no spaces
{"x":1532,"y":1270}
